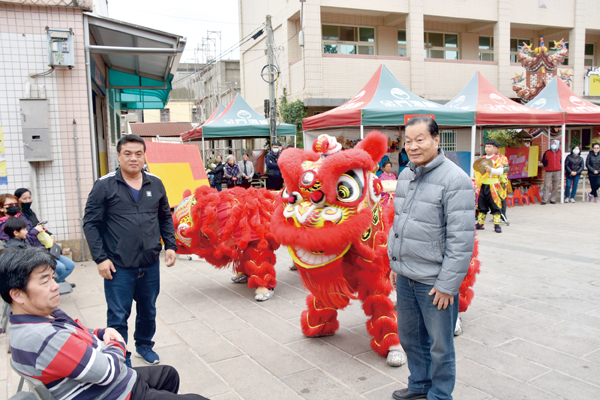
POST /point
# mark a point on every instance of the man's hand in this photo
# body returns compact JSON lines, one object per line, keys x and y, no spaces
{"x":39,"y":228}
{"x":441,"y":300}
{"x":596,"y":172}
{"x":573,"y":173}
{"x":111,"y":335}
{"x":488,"y":168}
{"x":170,"y":257}
{"x":105,"y":268}
{"x":393,"y":276}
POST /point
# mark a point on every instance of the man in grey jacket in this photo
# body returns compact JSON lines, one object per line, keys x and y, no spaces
{"x":246,"y":171}
{"x":430,"y":247}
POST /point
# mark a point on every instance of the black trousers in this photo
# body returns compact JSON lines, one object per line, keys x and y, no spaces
{"x":485,"y":202}
{"x":594,"y":183}
{"x":157,"y":383}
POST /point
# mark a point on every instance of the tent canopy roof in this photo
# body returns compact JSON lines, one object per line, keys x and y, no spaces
{"x":493,"y":108}
{"x":557,"y":96}
{"x":384,"y":101}
{"x":197,"y":132}
{"x":239,"y":120}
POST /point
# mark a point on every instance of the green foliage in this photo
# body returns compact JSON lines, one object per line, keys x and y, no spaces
{"x":506,"y":137}
{"x":594,"y":141}
{"x":575,"y":141}
{"x":293,"y":113}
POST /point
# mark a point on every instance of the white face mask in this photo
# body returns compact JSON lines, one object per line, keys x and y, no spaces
{"x":575,"y":151}
{"x":553,"y":147}
{"x":275,"y":150}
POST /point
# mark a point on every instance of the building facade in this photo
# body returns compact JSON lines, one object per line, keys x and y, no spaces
{"x":60,"y":121}
{"x":326,"y":50}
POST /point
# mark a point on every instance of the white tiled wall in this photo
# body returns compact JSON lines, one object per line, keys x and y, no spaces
{"x":24,"y":54}
{"x":23,"y":51}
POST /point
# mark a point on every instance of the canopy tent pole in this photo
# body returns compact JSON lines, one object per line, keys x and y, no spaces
{"x":480,"y":141}
{"x":303,"y":140}
{"x":362,"y":136}
{"x":549,"y":138}
{"x":562,"y":165}
{"x":473,"y":138}
{"x":294,"y":140}
{"x":203,"y":151}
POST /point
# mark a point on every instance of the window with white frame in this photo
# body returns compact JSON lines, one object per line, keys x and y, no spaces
{"x":402,"y":43}
{"x":486,"y":48}
{"x":441,"y":45}
{"x":448,"y":140}
{"x":341,"y":39}
{"x":165,"y":115}
{"x":589,"y":55}
{"x":515,"y":43}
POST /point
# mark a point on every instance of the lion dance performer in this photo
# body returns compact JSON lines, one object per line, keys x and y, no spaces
{"x":336,"y":231}
{"x":492,"y":192}
{"x":231,"y":228}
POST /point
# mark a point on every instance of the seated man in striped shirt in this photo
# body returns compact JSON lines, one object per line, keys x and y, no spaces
{"x":73,"y":362}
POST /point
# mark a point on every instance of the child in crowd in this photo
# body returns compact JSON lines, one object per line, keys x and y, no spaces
{"x":16,"y":229}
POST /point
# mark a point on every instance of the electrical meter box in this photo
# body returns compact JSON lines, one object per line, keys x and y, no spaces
{"x":36,"y":133}
{"x":60,"y":48}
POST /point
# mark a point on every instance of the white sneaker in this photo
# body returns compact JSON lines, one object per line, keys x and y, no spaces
{"x":264,"y":297}
{"x":396,"y":358}
{"x":458,"y":330}
{"x":572,"y":200}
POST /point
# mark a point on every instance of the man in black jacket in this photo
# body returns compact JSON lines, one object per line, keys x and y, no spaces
{"x":126,"y":214}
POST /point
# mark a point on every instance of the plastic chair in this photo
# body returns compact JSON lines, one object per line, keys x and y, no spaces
{"x":534,"y":193}
{"x":36,"y":386}
{"x":518,"y":197}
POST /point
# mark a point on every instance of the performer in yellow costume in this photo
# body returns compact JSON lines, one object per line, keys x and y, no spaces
{"x":492,"y":192}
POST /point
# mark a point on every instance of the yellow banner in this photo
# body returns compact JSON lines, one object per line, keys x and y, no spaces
{"x":594,"y":85}
{"x":3,"y":174}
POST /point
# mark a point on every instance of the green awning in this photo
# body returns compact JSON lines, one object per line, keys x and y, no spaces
{"x":136,"y":92}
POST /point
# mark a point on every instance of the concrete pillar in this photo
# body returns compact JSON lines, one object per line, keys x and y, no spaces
{"x":502,"y":48}
{"x":313,"y":51}
{"x":577,"y":47}
{"x":414,"y":46}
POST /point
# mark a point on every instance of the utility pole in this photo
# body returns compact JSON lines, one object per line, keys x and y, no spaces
{"x":272,"y":77}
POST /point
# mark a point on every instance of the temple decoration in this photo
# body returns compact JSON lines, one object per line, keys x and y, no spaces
{"x":540,"y":67}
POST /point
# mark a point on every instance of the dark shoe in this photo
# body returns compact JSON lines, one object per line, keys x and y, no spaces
{"x":552,"y":202}
{"x":149,"y":356}
{"x":72,"y":284}
{"x":128,"y":360}
{"x":404,"y":394}
{"x":293,"y":267}
{"x":479,"y":227}
{"x":543,"y":203}
{"x":497,"y":229}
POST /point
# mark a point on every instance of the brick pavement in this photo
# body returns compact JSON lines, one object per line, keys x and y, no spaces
{"x":532,"y":332}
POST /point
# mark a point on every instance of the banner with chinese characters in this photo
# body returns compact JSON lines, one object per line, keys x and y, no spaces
{"x":523,"y":161}
{"x":3,"y":174}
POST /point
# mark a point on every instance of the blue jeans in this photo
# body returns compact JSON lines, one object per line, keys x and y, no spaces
{"x":572,"y":180}
{"x":427,"y":337}
{"x":141,"y":285}
{"x":64,"y":267}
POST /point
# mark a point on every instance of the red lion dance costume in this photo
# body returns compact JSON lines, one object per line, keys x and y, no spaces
{"x":336,"y":231}
{"x":231,"y":228}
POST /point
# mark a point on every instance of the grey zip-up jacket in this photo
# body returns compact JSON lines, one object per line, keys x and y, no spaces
{"x":431,"y":240}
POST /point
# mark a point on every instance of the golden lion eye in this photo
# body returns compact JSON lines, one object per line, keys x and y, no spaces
{"x":349,"y":187}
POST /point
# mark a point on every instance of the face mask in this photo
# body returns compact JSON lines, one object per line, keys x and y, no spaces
{"x":553,"y":147}
{"x":25,"y":206}
{"x":575,"y":151}
{"x":14,"y":210}
{"x":275,"y":150}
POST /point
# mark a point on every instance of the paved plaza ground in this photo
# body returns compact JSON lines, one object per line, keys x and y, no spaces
{"x":532,"y":332}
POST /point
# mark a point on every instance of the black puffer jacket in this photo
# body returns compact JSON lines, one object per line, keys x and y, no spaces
{"x":573,"y":164}
{"x":593,"y":162}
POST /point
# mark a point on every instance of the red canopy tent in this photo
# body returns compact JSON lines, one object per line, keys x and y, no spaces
{"x":196,"y":133}
{"x":557,"y":96}
{"x":492,"y":108}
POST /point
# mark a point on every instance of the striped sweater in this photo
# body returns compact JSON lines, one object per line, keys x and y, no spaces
{"x":72,"y":361}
